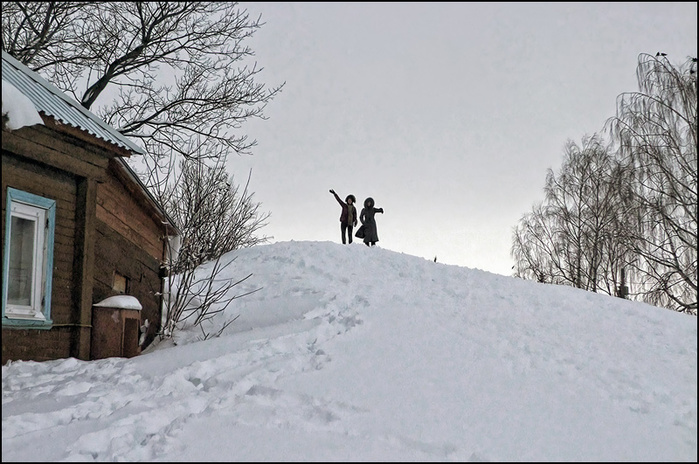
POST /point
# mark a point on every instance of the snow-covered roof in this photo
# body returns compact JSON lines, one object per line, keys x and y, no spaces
{"x":51,"y":101}
{"x":25,"y":94}
{"x":20,"y":110}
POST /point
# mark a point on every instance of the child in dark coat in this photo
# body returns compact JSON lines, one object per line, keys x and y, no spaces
{"x":371,"y":234}
{"x":348,"y":216}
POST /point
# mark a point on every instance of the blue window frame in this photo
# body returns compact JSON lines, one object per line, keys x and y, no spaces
{"x":30,"y":224}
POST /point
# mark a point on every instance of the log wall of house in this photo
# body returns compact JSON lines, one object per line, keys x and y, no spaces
{"x":115,"y":254}
{"x":66,"y":169}
{"x":117,"y":208}
{"x":104,"y":224}
{"x":128,"y":242}
{"x":40,"y":345}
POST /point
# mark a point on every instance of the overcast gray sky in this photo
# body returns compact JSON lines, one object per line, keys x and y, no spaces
{"x":447,"y":114}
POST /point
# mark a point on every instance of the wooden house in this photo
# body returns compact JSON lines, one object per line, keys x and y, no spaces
{"x":79,"y":227}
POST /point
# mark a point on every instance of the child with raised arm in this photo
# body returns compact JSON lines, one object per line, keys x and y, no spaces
{"x":348,"y":216}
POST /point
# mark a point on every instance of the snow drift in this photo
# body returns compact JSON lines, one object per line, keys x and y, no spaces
{"x":365,"y":354}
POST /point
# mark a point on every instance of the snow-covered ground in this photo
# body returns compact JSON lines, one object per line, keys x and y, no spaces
{"x":365,"y":354}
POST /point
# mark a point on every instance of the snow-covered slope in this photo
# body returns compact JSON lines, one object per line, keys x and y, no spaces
{"x":356,"y":353}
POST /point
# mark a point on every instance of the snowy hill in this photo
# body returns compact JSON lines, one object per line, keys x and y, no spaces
{"x":365,"y":354}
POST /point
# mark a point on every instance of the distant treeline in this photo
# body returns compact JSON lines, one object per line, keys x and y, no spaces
{"x":620,"y":215}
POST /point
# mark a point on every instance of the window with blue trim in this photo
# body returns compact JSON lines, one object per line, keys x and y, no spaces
{"x":30,"y":224}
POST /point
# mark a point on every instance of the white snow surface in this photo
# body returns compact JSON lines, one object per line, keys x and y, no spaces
{"x":120,"y":301}
{"x":18,"y":108}
{"x":350,"y":353}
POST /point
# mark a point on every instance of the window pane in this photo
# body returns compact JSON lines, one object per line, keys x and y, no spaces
{"x":19,"y":290}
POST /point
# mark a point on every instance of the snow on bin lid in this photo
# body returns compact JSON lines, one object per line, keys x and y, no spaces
{"x":120,"y":301}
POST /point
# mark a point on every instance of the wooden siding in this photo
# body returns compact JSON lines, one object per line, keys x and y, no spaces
{"x":117,"y":208}
{"x":61,"y":187}
{"x":61,"y":151}
{"x":114,"y":254}
{"x":128,"y":242}
{"x":103,"y":224}
{"x":36,"y":345}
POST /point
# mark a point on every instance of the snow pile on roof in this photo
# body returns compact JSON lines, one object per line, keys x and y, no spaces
{"x":18,"y":108}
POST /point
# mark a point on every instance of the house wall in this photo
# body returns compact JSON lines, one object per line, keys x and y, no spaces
{"x":128,"y":242}
{"x":113,"y":254}
{"x":32,"y":177}
{"x":101,"y":227}
{"x":117,"y":207}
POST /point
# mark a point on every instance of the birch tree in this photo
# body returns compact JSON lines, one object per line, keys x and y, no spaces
{"x":655,"y":130}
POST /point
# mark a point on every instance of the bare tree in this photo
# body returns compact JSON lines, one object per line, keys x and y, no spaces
{"x":631,"y":218}
{"x":656,"y":132}
{"x":46,"y":36}
{"x":572,"y":238}
{"x":535,"y":248}
{"x":584,"y":204}
{"x":179,"y":78}
{"x":215,"y":217}
{"x":566,"y":239}
{"x":195,"y":296}
{"x":180,"y":72}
